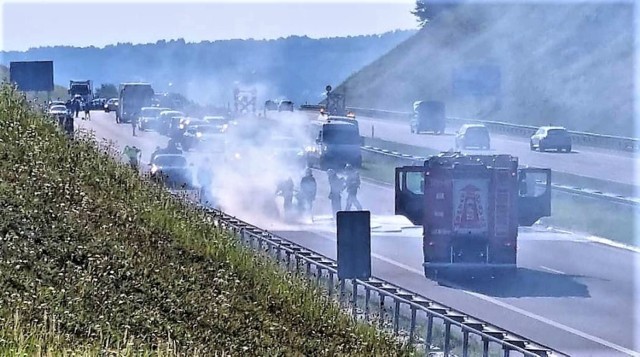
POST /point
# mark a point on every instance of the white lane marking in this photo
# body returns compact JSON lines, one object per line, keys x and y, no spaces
{"x":553,"y":270}
{"x":509,"y":307}
{"x":611,"y":243}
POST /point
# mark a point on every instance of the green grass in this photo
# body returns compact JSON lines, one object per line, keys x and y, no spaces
{"x":94,"y":258}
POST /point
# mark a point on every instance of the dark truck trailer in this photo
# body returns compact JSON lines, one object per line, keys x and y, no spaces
{"x":133,"y":96}
{"x":428,"y":116}
{"x":81,"y":88}
{"x":470,"y":207}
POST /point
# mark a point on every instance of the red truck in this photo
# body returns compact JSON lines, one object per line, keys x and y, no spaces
{"x":470,"y":207}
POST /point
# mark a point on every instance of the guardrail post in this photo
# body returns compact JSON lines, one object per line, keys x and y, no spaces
{"x":506,"y":352}
{"x":447,"y":338}
{"x":330,"y":283}
{"x":318,"y":274}
{"x":308,"y":268}
{"x":381,"y":322}
{"x":354,"y":302}
{"x":485,"y":347}
{"x":412,"y":328}
{"x":429,"y":339}
{"x":396,"y":317}
{"x":367,"y":296}
{"x":342,"y":291}
{"x":373,"y":131}
{"x":465,"y":343}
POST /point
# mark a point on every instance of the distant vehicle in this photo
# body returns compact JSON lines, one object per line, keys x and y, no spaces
{"x":56,"y":102}
{"x":270,"y":105}
{"x":133,"y":96}
{"x":180,"y":124}
{"x":219,"y":121}
{"x":428,"y":116}
{"x":551,"y":137}
{"x":149,"y":117}
{"x":204,"y":136}
{"x":473,"y":136}
{"x":471,"y":207}
{"x":338,"y":143}
{"x":83,"y":89}
{"x":58,"y":112}
{"x":111,"y":105}
{"x":285,"y":106}
{"x":165,"y":120}
{"x":171,"y":170}
{"x":97,"y":104}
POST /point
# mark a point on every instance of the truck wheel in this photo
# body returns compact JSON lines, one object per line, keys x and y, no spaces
{"x":568,"y":149}
{"x":431,"y":273}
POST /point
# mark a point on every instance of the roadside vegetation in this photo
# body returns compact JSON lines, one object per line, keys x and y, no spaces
{"x":94,"y":260}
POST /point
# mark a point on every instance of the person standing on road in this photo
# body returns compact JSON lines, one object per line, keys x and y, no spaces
{"x":285,"y":189}
{"x":134,"y":155}
{"x":134,"y":123}
{"x":76,"y":106}
{"x":308,"y":189}
{"x":353,"y":184}
{"x":336,"y":185}
{"x":69,"y":126}
{"x":87,"y":111}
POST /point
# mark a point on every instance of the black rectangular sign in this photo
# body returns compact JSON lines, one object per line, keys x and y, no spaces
{"x":34,"y":76}
{"x":354,"y":245}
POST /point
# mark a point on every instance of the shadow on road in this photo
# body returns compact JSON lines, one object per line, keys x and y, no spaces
{"x":525,"y":283}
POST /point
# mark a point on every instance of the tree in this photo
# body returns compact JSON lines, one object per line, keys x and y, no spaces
{"x":107,"y":91}
{"x":427,"y":12}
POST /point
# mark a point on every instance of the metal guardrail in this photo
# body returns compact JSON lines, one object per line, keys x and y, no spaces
{"x":578,"y":137}
{"x":423,"y":316}
{"x":404,"y":159}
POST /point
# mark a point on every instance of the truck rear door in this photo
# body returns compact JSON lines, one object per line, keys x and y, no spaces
{"x":534,"y":195}
{"x":409,"y":193}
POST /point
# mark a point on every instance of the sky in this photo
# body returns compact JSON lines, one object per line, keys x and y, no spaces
{"x":94,"y":23}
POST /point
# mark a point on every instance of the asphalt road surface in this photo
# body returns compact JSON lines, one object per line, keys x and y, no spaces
{"x":570,"y":293}
{"x":590,"y":162}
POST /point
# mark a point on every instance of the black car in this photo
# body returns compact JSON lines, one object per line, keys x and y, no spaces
{"x":172,"y":170}
{"x":473,"y":136}
{"x":551,"y":138}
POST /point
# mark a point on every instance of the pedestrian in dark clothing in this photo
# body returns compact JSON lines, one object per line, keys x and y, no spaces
{"x":336,"y":185}
{"x":308,"y":189}
{"x":68,"y":126}
{"x":76,"y":107}
{"x":353,"y":184}
{"x":285,"y":189}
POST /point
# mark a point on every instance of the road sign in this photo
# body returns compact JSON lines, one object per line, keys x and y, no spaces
{"x":354,"y":244}
{"x":34,"y":76}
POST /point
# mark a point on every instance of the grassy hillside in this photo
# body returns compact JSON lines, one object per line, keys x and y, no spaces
{"x":568,"y":64}
{"x":95,"y":260}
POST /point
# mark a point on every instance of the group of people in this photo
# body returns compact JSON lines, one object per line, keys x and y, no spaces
{"x":74,"y":105}
{"x":306,"y":195}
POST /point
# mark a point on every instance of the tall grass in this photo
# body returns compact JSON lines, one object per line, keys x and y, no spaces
{"x":94,"y":259}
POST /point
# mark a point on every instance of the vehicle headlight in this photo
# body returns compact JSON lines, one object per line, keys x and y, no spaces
{"x":310,"y":149}
{"x":237,"y":155}
{"x":154,"y":169}
{"x":181,"y":126}
{"x":198,"y":135}
{"x":106,"y":106}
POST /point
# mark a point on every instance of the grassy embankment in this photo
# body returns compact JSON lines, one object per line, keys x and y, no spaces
{"x":576,"y":213}
{"x":95,"y":260}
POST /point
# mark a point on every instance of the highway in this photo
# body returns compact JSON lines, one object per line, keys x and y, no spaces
{"x":584,"y":161}
{"x":570,"y":293}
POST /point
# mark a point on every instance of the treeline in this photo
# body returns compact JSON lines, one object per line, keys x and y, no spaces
{"x":295,"y":67}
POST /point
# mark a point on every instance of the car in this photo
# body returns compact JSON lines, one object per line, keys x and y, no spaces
{"x":97,"y":104}
{"x":209,"y":137}
{"x":171,"y":170}
{"x":285,"y":150}
{"x":285,"y":105}
{"x":165,"y":120}
{"x":219,"y":121}
{"x":270,"y":105}
{"x":56,"y":102}
{"x":111,"y":105}
{"x":473,"y":136}
{"x":149,"y":117}
{"x":551,"y":137}
{"x":58,"y":112}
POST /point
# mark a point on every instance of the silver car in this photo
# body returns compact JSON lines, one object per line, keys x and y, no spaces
{"x":551,"y":138}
